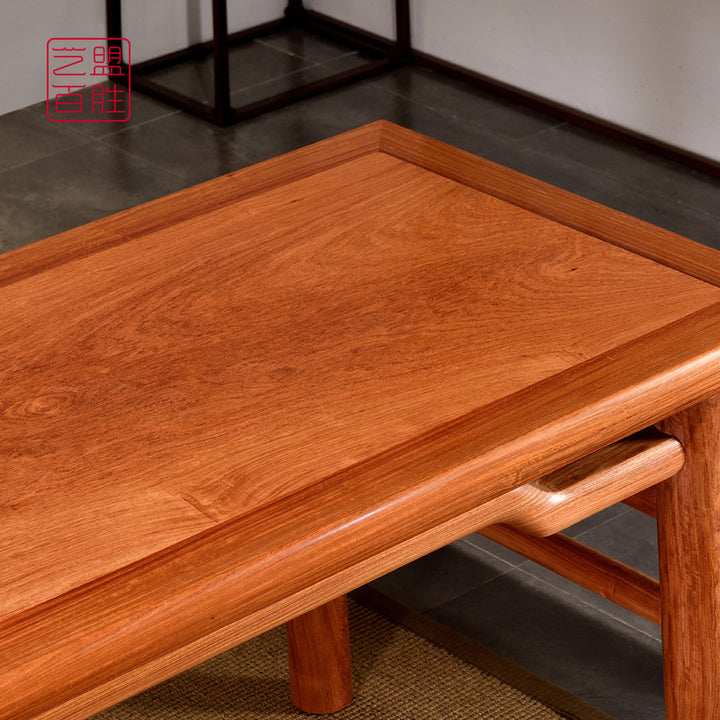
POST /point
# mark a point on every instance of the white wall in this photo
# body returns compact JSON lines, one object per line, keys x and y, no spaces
{"x":156,"y":27}
{"x":25,"y":28}
{"x":652,"y":66}
{"x":376,"y":16}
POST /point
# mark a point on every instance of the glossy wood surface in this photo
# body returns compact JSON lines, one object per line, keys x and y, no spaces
{"x":554,"y":203}
{"x":327,"y":589}
{"x":578,"y":490}
{"x":328,"y":318}
{"x":319,"y":658}
{"x":645,"y":501}
{"x":688,"y":509}
{"x":224,"y":407}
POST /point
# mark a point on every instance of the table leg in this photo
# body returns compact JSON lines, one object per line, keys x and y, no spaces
{"x":688,"y":511}
{"x":319,"y":654}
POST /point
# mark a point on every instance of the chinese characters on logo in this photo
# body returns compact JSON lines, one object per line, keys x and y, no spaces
{"x":76,"y":69}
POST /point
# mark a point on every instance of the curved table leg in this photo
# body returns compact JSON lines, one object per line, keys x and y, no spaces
{"x":688,"y":511}
{"x":319,"y":654}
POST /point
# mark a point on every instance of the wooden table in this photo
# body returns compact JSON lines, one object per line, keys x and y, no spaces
{"x":228,"y":407}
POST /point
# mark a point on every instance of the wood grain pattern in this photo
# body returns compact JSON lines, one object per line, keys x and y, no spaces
{"x":591,"y":484}
{"x":319,"y":658}
{"x":644,"y":501}
{"x":291,"y":606}
{"x":602,"y":222}
{"x":257,"y":326}
{"x":688,"y":511}
{"x":202,"y":585}
{"x":291,"y":380}
{"x":190,"y":203}
{"x":586,"y":566}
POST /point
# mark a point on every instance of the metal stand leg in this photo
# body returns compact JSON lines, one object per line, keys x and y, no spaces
{"x":222,"y":109}
{"x":383,"y":55}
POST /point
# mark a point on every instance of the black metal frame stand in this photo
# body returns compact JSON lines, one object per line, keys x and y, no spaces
{"x":384,"y":55}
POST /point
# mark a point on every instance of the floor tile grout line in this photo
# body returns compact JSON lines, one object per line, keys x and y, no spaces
{"x":270,"y":45}
{"x":448,"y":114}
{"x":552,"y":590}
{"x":523,"y":562}
{"x":142,"y":123}
{"x":97,"y":141}
{"x":275,"y":78}
{"x":468,"y":540}
{"x":600,"y":173}
{"x":315,"y":66}
{"x":424,"y":106}
{"x":615,"y":618}
{"x":497,"y":558}
{"x":526,"y":565}
{"x":582,"y":534}
{"x":134,"y":126}
{"x":267,"y":44}
{"x":88,"y":141}
{"x":143,"y":159}
{"x":83,"y":139}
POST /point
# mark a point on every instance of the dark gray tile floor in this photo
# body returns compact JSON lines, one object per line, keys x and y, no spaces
{"x":55,"y":176}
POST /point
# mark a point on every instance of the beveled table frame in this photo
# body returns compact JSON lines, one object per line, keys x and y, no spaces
{"x":109,"y":639}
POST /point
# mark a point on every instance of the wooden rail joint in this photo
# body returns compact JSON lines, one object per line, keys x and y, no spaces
{"x":622,"y":471}
{"x":593,"y":483}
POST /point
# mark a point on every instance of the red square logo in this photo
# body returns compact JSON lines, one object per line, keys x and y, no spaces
{"x":88,"y":79}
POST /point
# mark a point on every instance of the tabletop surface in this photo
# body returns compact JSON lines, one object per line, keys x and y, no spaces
{"x":220,"y":361}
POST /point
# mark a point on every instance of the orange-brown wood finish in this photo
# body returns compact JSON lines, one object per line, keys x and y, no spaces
{"x":644,"y":501}
{"x":574,"y":492}
{"x":319,"y":655}
{"x":688,"y":508}
{"x":551,"y":202}
{"x":253,"y":315}
{"x":227,"y":407}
